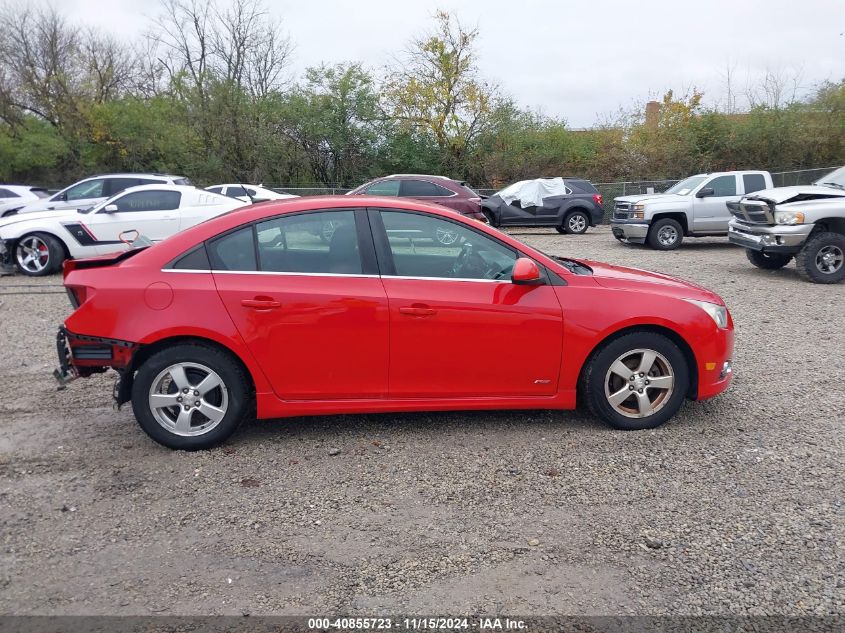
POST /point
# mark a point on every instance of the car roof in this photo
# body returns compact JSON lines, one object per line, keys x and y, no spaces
{"x":417,"y":176}
{"x":130,"y":175}
{"x":237,"y":184}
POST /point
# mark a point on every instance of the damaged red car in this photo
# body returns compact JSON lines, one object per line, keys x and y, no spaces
{"x":257,"y":312}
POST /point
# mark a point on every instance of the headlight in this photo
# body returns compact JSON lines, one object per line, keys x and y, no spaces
{"x":639,"y":211}
{"x":789,"y":217}
{"x":718,"y":313}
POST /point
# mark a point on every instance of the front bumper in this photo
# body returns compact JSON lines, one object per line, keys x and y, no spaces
{"x":781,"y":238}
{"x":714,"y":360}
{"x":631,"y":231}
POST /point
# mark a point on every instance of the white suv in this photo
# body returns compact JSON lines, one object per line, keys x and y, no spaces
{"x":88,"y":192}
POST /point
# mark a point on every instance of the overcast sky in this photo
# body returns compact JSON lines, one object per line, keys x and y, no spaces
{"x":578,"y":59}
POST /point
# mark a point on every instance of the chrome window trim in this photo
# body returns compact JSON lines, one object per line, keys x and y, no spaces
{"x":294,"y":274}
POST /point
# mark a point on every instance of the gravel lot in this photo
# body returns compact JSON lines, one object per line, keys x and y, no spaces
{"x":734,"y":507}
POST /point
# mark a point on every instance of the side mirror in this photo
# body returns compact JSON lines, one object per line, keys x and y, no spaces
{"x":110,"y":208}
{"x":526,"y":272}
{"x":705,"y":192}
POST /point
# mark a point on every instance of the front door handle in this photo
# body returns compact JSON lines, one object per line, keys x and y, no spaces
{"x":418,"y":311}
{"x":260,"y":303}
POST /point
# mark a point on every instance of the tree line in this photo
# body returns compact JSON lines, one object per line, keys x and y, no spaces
{"x":205,"y":93}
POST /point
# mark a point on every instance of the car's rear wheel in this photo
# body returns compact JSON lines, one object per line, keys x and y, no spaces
{"x":637,"y":381}
{"x":190,"y":397}
{"x":822,"y":259}
{"x":576,"y":223}
{"x":665,"y":234}
{"x":767,"y":261}
{"x":39,"y":254}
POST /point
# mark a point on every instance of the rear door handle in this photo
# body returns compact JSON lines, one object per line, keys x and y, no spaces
{"x":260,"y":304}
{"x":418,"y":311}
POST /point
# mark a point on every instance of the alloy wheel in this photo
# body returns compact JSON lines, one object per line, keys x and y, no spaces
{"x":577,"y":223}
{"x":667,"y":236}
{"x":33,"y":254}
{"x":447,"y":237}
{"x":829,"y":259}
{"x":639,"y":383}
{"x":188,"y":399}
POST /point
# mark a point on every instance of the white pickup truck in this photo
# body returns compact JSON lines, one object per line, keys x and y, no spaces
{"x":695,"y":207}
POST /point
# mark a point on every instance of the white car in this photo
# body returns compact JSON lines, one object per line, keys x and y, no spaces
{"x":37,"y":243}
{"x":90,"y":191}
{"x":249,"y":193}
{"x":13,"y":197}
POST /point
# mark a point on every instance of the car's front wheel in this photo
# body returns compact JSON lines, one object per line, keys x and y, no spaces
{"x":767,"y":261}
{"x":39,"y":254}
{"x":637,"y":381}
{"x":190,"y":397}
{"x":822,"y":259}
{"x":665,"y":235}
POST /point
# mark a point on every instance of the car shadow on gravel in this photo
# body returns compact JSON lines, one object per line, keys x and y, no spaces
{"x":408,"y":425}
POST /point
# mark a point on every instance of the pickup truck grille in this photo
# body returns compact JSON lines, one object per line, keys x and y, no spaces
{"x":753,"y":211}
{"x":622,"y":210}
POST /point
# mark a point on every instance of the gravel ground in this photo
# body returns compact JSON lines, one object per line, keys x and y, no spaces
{"x":735,"y":507}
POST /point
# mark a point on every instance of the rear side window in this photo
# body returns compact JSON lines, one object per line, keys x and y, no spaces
{"x":233,"y":251}
{"x":723,"y":186}
{"x":215,"y":189}
{"x":581,"y":185}
{"x":116,"y":185}
{"x":182,"y":181}
{"x":196,"y":259}
{"x":5,"y":193}
{"x":753,"y":182}
{"x":421,"y":188}
{"x":148,"y":201}
{"x":384,"y":188}
{"x":324,"y":242}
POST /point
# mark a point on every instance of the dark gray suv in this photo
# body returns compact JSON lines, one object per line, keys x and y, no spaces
{"x":570,"y":205}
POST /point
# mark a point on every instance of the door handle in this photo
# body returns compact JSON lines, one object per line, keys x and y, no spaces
{"x":260,"y":304}
{"x":417,"y":311}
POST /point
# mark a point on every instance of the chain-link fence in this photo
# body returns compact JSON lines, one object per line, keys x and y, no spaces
{"x":609,"y":190}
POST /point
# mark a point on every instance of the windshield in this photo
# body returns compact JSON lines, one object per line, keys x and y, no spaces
{"x":835,"y":178}
{"x":685,"y":187}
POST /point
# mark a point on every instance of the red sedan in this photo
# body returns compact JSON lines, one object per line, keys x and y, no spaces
{"x":255,"y":311}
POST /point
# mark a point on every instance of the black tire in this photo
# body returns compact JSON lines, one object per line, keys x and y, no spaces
{"x":656,"y":234}
{"x":767,"y":261}
{"x":810,"y":262}
{"x":55,"y":253}
{"x":576,"y":223}
{"x":238,"y":395}
{"x":597,"y":372}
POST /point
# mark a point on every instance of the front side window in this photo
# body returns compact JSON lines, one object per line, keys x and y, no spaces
{"x":421,"y":189}
{"x":427,"y":246}
{"x":384,"y":188}
{"x":723,"y":186}
{"x":87,"y":189}
{"x":323,"y":242}
{"x":148,"y":201}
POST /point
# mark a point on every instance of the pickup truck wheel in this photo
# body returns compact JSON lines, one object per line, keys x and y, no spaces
{"x":576,"y":223}
{"x":665,"y":234}
{"x":39,"y":254}
{"x":822,"y":259}
{"x":190,"y":397}
{"x":767,"y":261}
{"x":637,"y":381}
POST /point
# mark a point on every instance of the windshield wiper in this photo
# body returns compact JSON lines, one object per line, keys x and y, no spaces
{"x":573,"y":265}
{"x":833,"y":184}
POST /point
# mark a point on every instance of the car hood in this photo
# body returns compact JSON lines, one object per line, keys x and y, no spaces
{"x":780,"y":195}
{"x":624,"y":278}
{"x":653,"y":197}
{"x":40,"y":215}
